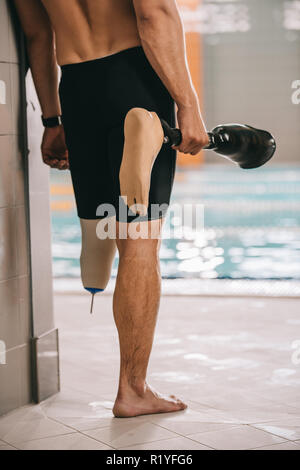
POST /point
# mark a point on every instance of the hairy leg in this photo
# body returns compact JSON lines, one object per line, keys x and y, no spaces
{"x":136,"y":303}
{"x":143,"y":140}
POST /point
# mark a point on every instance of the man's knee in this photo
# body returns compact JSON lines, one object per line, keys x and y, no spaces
{"x":140,"y":119}
{"x":139,"y":249}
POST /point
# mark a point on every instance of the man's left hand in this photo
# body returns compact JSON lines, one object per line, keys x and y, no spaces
{"x":54,"y":148}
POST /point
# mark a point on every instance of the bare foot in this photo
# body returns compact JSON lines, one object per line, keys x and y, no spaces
{"x":143,"y":140}
{"x":149,"y":402}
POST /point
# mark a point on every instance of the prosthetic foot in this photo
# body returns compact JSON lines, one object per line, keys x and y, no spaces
{"x":143,"y":140}
{"x":244,"y":145}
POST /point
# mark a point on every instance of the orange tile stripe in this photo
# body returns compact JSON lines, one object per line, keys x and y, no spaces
{"x":62,"y":206}
{"x":195,"y":61}
{"x":61,"y":189}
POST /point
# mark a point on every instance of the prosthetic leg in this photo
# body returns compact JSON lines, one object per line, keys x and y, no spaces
{"x":96,"y":258}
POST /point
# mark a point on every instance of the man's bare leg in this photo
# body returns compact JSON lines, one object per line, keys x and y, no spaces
{"x":136,"y":303}
{"x":143,"y":140}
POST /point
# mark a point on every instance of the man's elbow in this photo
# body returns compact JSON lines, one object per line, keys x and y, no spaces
{"x":40,"y":37}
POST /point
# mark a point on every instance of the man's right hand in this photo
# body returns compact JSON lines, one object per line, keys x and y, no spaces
{"x":191,"y":125}
{"x":54,"y":148}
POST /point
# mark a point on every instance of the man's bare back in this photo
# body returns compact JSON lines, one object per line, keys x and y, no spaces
{"x":89,"y":29}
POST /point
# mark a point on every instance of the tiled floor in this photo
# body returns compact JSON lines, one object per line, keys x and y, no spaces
{"x":231,"y":359}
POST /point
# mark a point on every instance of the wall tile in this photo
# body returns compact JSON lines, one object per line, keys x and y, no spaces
{"x":22,"y":244}
{"x":5,"y":100}
{"x":25,"y":371}
{"x":24,"y":299}
{"x":4,"y":43}
{"x":41,"y":263}
{"x":10,"y":379}
{"x":9,"y":313}
{"x":6,"y":168}
{"x":18,"y":170}
{"x":8,"y":252}
{"x":46,"y":357}
{"x":17,"y":113}
{"x":14,"y":34}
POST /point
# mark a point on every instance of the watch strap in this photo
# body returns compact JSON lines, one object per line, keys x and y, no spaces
{"x":52,"y":121}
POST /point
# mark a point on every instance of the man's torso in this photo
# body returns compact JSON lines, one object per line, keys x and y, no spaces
{"x":89,"y":29}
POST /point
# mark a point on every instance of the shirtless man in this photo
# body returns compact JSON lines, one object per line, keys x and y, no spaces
{"x":121,"y":60}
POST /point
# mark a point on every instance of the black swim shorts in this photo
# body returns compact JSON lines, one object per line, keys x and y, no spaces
{"x":95,"y":97}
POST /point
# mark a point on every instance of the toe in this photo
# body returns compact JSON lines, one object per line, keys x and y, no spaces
{"x":181,"y":404}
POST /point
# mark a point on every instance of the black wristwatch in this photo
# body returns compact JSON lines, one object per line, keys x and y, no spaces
{"x":51,"y":121}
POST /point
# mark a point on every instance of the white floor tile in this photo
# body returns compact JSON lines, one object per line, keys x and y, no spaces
{"x":125,"y":434}
{"x":187,"y":423}
{"x":279,"y":428}
{"x":16,"y":431}
{"x":73,"y":404}
{"x":74,"y":441}
{"x":288,"y":445}
{"x":86,"y":423}
{"x":236,"y":438}
{"x":177,"y":443}
{"x":257,"y":414}
{"x":5,"y":446}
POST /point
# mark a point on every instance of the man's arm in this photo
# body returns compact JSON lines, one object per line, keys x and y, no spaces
{"x":162,"y":36}
{"x":161,"y":32}
{"x":41,"y":51}
{"x":40,"y":44}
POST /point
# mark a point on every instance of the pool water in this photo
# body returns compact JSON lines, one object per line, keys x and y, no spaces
{"x":251,"y":226}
